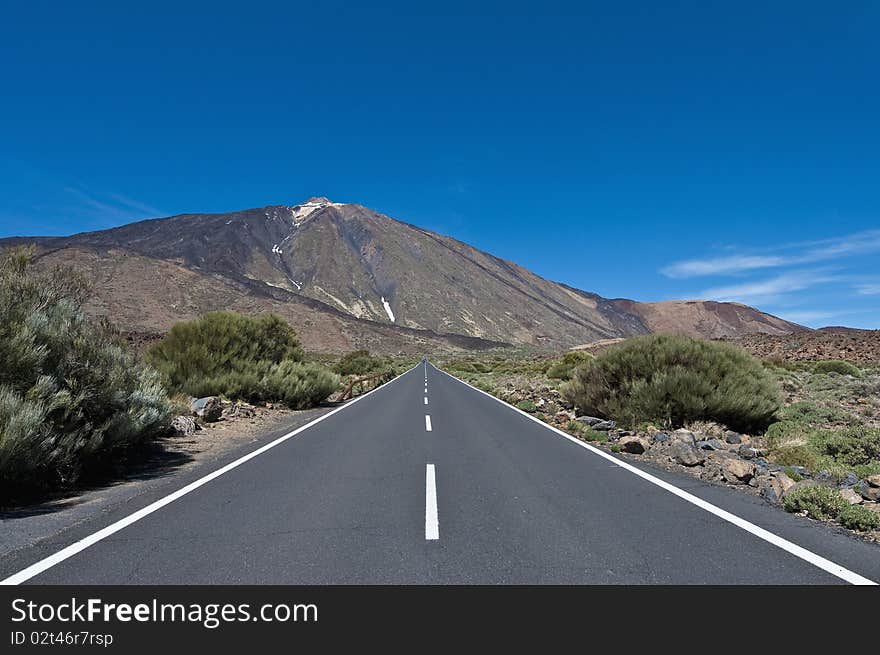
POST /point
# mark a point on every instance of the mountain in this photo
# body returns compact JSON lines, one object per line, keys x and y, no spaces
{"x":344,"y":273}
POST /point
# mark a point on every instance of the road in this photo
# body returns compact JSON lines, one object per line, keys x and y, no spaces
{"x":429,"y":481}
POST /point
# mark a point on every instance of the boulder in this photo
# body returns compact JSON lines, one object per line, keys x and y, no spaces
{"x":850,"y":496}
{"x":770,"y":488}
{"x":660,"y":437}
{"x":563,"y":417}
{"x":183,"y":426}
{"x":784,"y":481}
{"x":634,"y":445}
{"x":866,"y":491}
{"x":604,"y":426}
{"x":850,"y":480}
{"x":873,"y":480}
{"x":589,"y":420}
{"x":684,"y":436}
{"x":737,"y":471}
{"x":733,"y":437}
{"x":209,"y":409}
{"x":747,"y":452}
{"x":710,"y":444}
{"x":685,"y":454}
{"x":240,"y":410}
{"x":800,"y":485}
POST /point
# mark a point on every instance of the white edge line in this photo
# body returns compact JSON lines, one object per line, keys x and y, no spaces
{"x":432,"y":523}
{"x":426,"y":400}
{"x":79,"y":546}
{"x":427,"y":422}
{"x":798,"y":551}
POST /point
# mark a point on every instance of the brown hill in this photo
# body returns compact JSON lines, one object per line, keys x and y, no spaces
{"x":345,"y":275}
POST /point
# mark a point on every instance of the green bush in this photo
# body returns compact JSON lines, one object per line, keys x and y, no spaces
{"x":671,"y":380}
{"x":358,"y":362}
{"x":818,"y":502}
{"x":562,"y":369}
{"x":856,"y":517}
{"x":797,"y":455}
{"x":837,"y":366}
{"x":794,"y":475}
{"x":250,"y":358}
{"x":813,"y":414}
{"x":850,"y":446}
{"x":72,"y":399}
{"x":526,"y":406}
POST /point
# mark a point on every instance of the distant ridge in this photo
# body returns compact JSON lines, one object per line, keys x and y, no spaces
{"x":322,"y":262}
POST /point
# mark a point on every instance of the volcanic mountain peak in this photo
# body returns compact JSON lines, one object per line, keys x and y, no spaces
{"x":356,"y":262}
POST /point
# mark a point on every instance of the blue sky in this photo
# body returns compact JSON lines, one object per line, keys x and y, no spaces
{"x":722,"y":150}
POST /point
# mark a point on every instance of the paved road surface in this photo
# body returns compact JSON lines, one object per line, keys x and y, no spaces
{"x":428,"y":481}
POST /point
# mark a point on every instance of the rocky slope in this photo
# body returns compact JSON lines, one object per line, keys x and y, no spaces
{"x":321,"y":262}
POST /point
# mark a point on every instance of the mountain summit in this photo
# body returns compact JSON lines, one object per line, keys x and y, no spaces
{"x":352,"y":261}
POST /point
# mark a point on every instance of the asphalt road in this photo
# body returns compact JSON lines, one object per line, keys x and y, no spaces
{"x":458,"y":488}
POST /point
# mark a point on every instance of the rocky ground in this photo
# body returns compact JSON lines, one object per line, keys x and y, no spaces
{"x":856,"y":346}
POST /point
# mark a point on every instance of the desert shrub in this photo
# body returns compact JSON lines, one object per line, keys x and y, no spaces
{"x":813,"y":414}
{"x":856,"y":517}
{"x":358,"y":362}
{"x":243,"y":357}
{"x":672,"y":379}
{"x":594,"y":436}
{"x":850,"y":446}
{"x":794,"y":475}
{"x":72,"y":399}
{"x":298,"y":385}
{"x":485,"y":385}
{"x":867,"y":470}
{"x":562,"y":369}
{"x":818,"y":502}
{"x":526,"y":406}
{"x":797,"y":455}
{"x":837,"y":366}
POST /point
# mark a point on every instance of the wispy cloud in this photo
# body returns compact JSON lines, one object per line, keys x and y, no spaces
{"x":808,"y":252}
{"x":768,"y":290}
{"x":872,"y":289}
{"x":136,"y":205}
{"x":111,"y":205}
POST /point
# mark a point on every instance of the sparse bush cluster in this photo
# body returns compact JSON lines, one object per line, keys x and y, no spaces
{"x":826,"y":504}
{"x":818,"y":436}
{"x":837,"y":366}
{"x":818,"y":502}
{"x":243,"y":357}
{"x":671,"y":380}
{"x":563,"y":368}
{"x":72,"y":399}
{"x":359,"y":362}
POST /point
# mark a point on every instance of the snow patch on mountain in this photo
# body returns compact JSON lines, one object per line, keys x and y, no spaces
{"x":277,"y":250}
{"x":388,"y":309}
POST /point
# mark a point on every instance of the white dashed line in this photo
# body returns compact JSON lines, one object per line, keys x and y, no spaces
{"x":432,"y":523}
{"x":427,"y":423}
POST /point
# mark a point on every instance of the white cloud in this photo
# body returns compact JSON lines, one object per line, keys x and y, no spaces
{"x":810,"y":252}
{"x":769,"y":290}
{"x":721,"y":265}
{"x":868,"y":289}
{"x":111,"y":205}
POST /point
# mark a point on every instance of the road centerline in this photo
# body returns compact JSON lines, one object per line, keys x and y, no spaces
{"x":428,"y":423}
{"x":432,"y":522}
